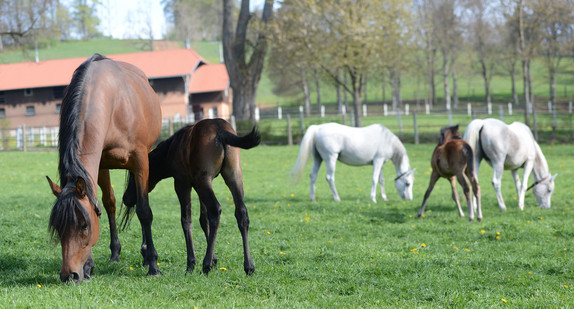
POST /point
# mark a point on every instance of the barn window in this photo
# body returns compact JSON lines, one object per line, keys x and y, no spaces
{"x":2,"y":113}
{"x":30,"y":111}
{"x":28,"y":92}
{"x":58,"y":107}
{"x":58,"y":92}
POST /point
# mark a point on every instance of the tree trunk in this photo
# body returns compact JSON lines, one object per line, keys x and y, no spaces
{"x":384,"y":90}
{"x":317,"y":88}
{"x":526,"y":93}
{"x":445,"y":77}
{"x":244,"y":65}
{"x":454,"y":88}
{"x":357,"y":81}
{"x":306,"y":99}
{"x":339,"y":99}
{"x":513,"y":82}
{"x":553,"y":87}
{"x":431,"y":79}
{"x":486,"y":81}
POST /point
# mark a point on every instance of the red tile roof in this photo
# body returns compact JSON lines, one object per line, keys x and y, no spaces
{"x":49,"y":73}
{"x":208,"y":78}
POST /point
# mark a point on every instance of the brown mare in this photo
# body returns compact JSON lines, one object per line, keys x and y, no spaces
{"x":110,"y":117}
{"x":453,"y":159}
{"x":194,"y":156}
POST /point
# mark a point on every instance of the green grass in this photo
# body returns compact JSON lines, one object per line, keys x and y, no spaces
{"x":349,"y":254}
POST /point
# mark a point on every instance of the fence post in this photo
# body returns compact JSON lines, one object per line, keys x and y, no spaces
{"x":449,"y":111}
{"x":427,"y":108}
{"x":489,"y":107}
{"x":416,"y":128}
{"x":549,"y":107}
{"x":400,"y":120}
{"x":385,"y":110}
{"x":24,"y":137}
{"x":170,"y":126}
{"x":322,"y":111}
{"x":407,"y":109}
{"x":501,"y":112}
{"x":509,"y":108}
{"x":256,"y":114}
{"x":364,"y":110}
{"x":43,"y":136}
{"x":469,"y":109}
{"x":232,"y":121}
{"x":344,"y":112}
{"x":289,"y":133}
{"x":279,"y":113}
{"x":570,"y":107}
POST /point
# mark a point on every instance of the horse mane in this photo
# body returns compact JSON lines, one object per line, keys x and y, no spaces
{"x":63,"y":215}
{"x":69,"y":166}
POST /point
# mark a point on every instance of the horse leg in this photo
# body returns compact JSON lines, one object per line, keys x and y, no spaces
{"x":330,"y":163}
{"x":109,"y":201}
{"x":183,"y":191}
{"x":497,"y":183}
{"x":517,"y":183}
{"x":213,"y":212}
{"x":233,"y":180}
{"x":144,"y":213}
{"x":455,"y":197}
{"x":527,"y":170}
{"x":433,"y":179}
{"x":382,"y":184}
{"x":377,"y":166}
{"x":466,"y":189}
{"x":205,"y":226}
{"x":476,"y":193}
{"x":313,"y":176}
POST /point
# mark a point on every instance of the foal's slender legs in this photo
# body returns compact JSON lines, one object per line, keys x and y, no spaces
{"x":109,"y":201}
{"x":466,"y":189}
{"x":213,"y":212}
{"x":455,"y":197}
{"x":183,"y":191}
{"x":433,"y":178}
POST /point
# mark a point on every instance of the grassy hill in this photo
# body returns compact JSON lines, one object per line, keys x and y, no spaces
{"x":470,"y":84}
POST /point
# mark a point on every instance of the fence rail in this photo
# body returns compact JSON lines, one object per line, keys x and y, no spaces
{"x":286,"y":125}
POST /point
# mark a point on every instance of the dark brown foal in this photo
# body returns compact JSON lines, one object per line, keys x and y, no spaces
{"x":453,"y":159}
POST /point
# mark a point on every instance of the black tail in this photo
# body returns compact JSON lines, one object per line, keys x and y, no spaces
{"x":245,"y":142}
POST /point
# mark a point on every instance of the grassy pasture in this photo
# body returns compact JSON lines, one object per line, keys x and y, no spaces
{"x":349,"y":254}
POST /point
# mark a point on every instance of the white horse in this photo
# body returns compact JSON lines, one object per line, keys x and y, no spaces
{"x":374,"y":145}
{"x":510,"y":147}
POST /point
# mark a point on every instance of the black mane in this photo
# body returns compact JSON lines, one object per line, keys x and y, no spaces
{"x":69,"y":166}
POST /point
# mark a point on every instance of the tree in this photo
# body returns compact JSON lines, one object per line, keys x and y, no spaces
{"x":244,"y":50}
{"x":346,"y":39}
{"x":194,"y":19}
{"x":85,"y":18}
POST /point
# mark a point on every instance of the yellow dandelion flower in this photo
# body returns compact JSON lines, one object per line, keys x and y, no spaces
{"x":283,"y":253}
{"x":565,"y":249}
{"x":466,"y":249}
{"x":410,"y":216}
{"x":39,"y":285}
{"x":541,"y":218}
{"x":530,"y":273}
{"x":504,"y":300}
{"x":566,"y":286}
{"x":514,"y":197}
{"x":292,"y":195}
{"x":413,"y":225}
{"x":423,"y":245}
{"x":330,"y":241}
{"x":414,"y":250}
{"x":497,"y":233}
{"x":131,"y":268}
{"x":268,"y":233}
{"x":482,"y":231}
{"x":455,"y":248}
{"x":497,"y":237}
{"x":528,"y":221}
{"x":222,"y":268}
{"x":404,"y":202}
{"x":307,"y":219}
{"x":423,"y":216}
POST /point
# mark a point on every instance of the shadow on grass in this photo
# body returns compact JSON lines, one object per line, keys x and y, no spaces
{"x":17,"y":270}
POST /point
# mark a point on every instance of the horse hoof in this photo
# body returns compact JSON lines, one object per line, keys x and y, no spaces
{"x":249,"y":270}
{"x":154,"y":273}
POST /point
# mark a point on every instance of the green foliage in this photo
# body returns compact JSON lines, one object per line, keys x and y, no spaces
{"x":349,"y":254}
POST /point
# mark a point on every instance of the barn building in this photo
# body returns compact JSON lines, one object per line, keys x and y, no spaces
{"x":187,"y":87}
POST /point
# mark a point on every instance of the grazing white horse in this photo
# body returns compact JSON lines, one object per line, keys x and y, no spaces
{"x":510,"y":147}
{"x":374,"y":145}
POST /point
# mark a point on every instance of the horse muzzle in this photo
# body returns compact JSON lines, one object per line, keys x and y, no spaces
{"x":72,"y":277}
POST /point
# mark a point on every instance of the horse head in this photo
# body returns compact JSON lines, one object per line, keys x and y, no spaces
{"x":404,"y":184}
{"x":74,"y":221}
{"x":543,"y":190}
{"x":449,"y":133}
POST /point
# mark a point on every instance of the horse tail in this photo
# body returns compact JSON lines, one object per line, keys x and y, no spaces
{"x":468,"y":154}
{"x":472,"y":134}
{"x":307,"y":147}
{"x":245,"y":142}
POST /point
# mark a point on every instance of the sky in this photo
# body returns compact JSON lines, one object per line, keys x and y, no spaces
{"x":127,"y":19}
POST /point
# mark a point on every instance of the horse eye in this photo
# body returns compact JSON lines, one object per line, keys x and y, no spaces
{"x":408,"y":184}
{"x":84,"y":226}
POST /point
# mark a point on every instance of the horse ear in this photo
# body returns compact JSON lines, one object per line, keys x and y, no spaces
{"x":81,"y":188}
{"x":412,"y":171}
{"x":56,"y":190}
{"x":553,"y":177}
